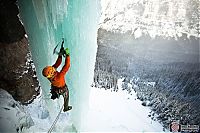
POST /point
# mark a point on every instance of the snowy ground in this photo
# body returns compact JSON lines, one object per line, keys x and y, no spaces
{"x":118,"y":112}
{"x":33,"y":118}
{"x":13,"y":117}
{"x":42,"y":119}
{"x":108,"y":112}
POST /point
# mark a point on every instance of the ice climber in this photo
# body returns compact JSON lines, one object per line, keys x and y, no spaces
{"x":57,"y":79}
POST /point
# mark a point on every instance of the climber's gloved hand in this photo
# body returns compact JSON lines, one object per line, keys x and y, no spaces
{"x":67,"y":51}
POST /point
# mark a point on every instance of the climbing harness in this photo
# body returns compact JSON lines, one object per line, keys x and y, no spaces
{"x":55,"y":121}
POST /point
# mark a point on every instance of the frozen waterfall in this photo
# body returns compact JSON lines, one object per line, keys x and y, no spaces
{"x":46,"y":22}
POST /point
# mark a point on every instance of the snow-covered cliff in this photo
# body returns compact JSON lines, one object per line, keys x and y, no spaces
{"x":168,"y":18}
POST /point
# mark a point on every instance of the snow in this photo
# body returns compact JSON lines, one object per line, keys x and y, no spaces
{"x":118,"y":112}
{"x":26,"y":35}
{"x":154,"y":17}
{"x":29,"y":63}
{"x":13,"y":117}
{"x":150,"y":83}
{"x":138,"y":33}
{"x":43,"y":121}
{"x":108,"y":112}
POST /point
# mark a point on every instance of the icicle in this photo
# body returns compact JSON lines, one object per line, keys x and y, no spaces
{"x":39,"y":10}
{"x":50,"y":12}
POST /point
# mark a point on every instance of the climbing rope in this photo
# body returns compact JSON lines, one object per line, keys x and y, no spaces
{"x":55,"y":121}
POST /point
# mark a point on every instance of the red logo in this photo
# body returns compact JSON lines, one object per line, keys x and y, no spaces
{"x":174,"y":127}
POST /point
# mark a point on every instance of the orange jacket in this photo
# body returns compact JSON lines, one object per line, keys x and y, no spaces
{"x":59,"y":79}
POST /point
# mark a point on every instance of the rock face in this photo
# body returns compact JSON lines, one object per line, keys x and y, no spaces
{"x":17,"y":74}
{"x":11,"y":28}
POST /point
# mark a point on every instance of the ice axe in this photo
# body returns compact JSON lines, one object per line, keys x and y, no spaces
{"x":62,"y":51}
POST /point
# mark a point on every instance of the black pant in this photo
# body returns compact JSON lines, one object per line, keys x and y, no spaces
{"x":56,"y":92}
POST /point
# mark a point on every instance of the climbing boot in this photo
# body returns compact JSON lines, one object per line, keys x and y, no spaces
{"x":67,"y":108}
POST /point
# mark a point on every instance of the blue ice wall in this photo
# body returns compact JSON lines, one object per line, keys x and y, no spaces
{"x":46,"y":22}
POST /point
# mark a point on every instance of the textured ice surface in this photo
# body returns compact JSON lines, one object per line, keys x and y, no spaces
{"x":50,"y":12}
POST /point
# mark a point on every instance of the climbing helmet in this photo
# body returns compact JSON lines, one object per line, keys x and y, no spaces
{"x":48,"y":71}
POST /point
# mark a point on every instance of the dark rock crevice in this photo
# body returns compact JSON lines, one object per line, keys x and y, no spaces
{"x":17,"y":74}
{"x":11,"y":28}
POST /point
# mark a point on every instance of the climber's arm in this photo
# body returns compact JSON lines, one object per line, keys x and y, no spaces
{"x":58,"y":61}
{"x":66,"y":66}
